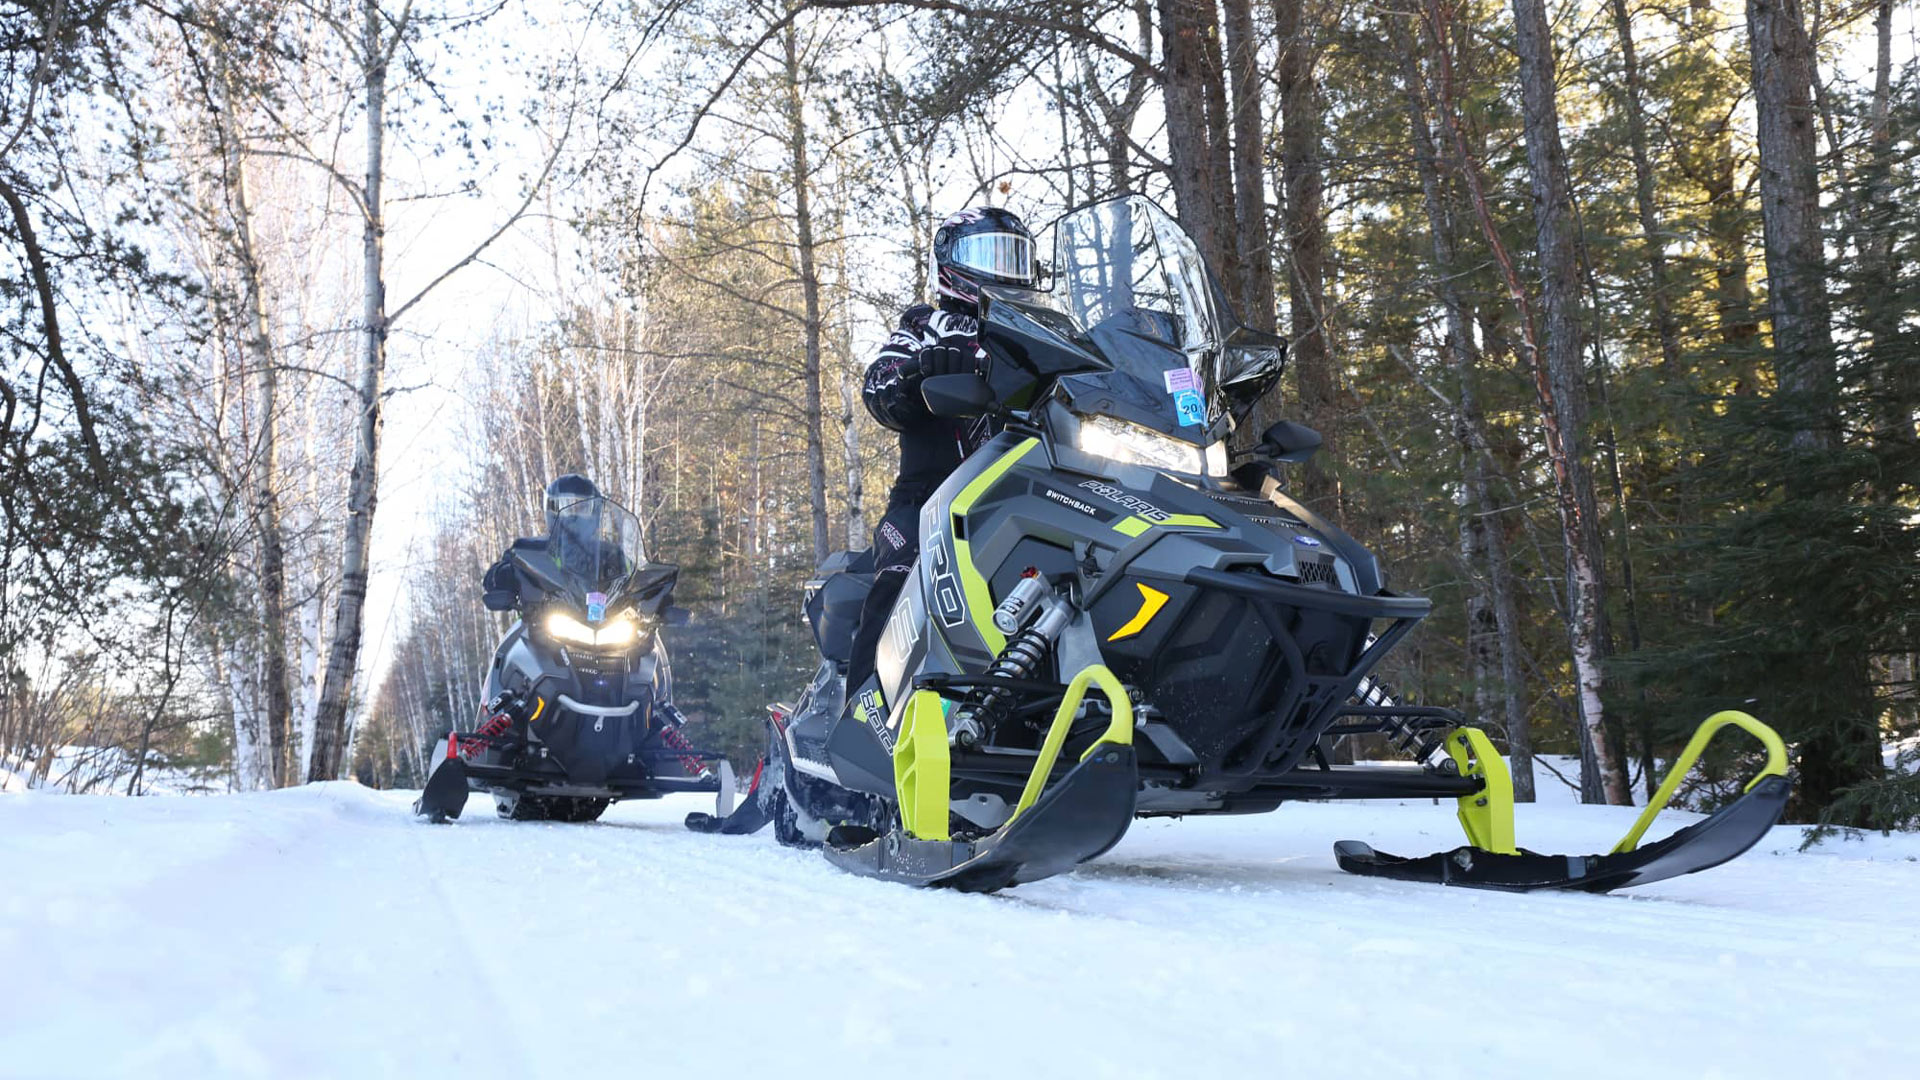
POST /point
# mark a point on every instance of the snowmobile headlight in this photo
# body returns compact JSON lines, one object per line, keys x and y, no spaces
{"x":1131,"y":444}
{"x":618,"y":631}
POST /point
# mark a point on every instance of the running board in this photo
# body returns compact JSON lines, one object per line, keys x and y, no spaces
{"x":1490,"y":861}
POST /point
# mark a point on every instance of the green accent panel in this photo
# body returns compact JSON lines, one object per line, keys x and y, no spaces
{"x":1487,"y":816}
{"x":1119,"y":731}
{"x":922,"y":769}
{"x":979,"y":599}
{"x":1134,"y":526}
{"x":1776,"y":766}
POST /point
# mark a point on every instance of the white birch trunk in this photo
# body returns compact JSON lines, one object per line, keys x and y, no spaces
{"x":331,"y":734}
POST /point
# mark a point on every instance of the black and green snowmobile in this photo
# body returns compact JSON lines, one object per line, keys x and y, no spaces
{"x":1106,"y":540}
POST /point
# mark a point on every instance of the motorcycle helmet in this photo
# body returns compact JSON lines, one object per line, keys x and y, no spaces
{"x":980,"y":246}
{"x":573,"y":509}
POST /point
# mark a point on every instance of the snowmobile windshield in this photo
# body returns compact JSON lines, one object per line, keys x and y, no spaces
{"x":596,"y":546}
{"x":1137,"y":289}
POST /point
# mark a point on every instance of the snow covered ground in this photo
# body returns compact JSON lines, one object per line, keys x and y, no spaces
{"x":322,"y":932}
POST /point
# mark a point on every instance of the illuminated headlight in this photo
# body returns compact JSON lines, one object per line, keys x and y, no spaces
{"x":1131,"y":444}
{"x":619,"y":630}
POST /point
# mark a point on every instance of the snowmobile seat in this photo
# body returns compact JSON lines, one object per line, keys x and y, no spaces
{"x":834,"y":599}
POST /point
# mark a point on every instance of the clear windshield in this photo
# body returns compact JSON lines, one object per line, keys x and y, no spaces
{"x":596,"y":546}
{"x":1135,"y":283}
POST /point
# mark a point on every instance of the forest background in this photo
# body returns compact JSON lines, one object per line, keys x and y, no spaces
{"x":1609,"y":311}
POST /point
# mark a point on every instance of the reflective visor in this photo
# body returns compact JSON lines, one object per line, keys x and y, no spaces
{"x":1007,"y":256}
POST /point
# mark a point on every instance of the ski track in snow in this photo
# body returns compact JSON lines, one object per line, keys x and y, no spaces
{"x":323,"y":932}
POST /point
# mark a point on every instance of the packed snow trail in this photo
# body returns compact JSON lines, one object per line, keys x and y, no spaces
{"x":323,"y":932}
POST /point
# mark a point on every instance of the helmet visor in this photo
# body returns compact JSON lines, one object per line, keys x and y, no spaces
{"x":568,"y":504}
{"x":1005,"y":256}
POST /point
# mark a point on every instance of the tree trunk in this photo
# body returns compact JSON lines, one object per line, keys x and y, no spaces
{"x":1556,"y":368}
{"x":1643,"y":193}
{"x":1492,"y":622}
{"x":266,"y":464}
{"x":1897,"y":385}
{"x":1846,"y":750}
{"x":1198,"y":165}
{"x":1563,"y":393}
{"x":1249,"y":154}
{"x":1726,"y":238}
{"x":330,"y":721}
{"x":847,"y":378}
{"x":802,"y":179}
{"x":1302,"y":175}
{"x":1797,"y":301}
{"x":858,"y":535}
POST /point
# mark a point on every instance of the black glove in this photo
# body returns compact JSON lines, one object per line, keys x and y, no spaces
{"x":949,"y":356}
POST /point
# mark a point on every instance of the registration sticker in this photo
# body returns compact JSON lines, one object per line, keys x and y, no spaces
{"x":1192,"y":410}
{"x":1179,"y":379}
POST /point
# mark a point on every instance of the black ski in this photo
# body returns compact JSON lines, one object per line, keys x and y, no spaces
{"x":1723,"y":835}
{"x":446,"y":792}
{"x":1079,"y":818}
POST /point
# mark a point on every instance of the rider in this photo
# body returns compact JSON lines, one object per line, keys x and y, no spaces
{"x":573,"y":506}
{"x":975,"y":247}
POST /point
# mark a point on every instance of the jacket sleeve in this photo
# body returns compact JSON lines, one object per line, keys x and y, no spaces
{"x":891,"y":388}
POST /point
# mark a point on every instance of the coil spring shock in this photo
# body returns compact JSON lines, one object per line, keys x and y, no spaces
{"x":1021,"y":659}
{"x":1032,"y":616}
{"x":1409,"y":738}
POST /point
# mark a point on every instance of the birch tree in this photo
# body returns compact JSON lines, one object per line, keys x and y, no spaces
{"x":373,"y":40}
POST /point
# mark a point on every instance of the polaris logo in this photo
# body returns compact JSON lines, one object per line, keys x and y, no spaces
{"x":1139,"y":506}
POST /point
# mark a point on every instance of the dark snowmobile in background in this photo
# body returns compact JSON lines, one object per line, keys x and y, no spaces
{"x":1106,"y":540}
{"x":578,"y":692}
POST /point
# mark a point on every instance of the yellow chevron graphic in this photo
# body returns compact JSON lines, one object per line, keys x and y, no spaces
{"x":1151,"y":601}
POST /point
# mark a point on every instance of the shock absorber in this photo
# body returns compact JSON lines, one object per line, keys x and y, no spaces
{"x":1032,"y":616}
{"x":1412,"y":739}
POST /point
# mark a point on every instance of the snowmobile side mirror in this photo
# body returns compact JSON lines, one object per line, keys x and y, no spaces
{"x":500,"y":599}
{"x":676,"y":616}
{"x":957,"y":396}
{"x":1288,"y":441}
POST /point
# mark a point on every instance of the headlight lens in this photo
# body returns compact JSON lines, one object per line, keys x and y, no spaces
{"x":1131,"y":444}
{"x":619,"y":630}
